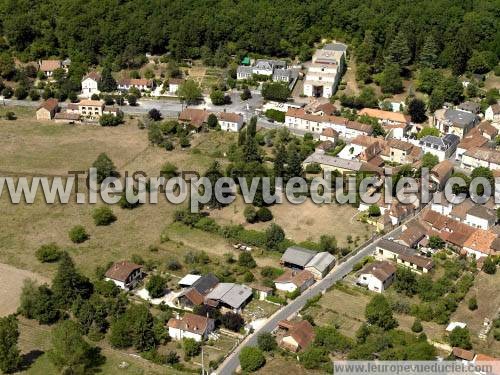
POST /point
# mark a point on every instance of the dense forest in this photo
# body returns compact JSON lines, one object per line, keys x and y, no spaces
{"x":120,"y":30}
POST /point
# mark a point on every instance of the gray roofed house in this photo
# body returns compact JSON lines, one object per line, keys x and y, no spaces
{"x":403,"y":255}
{"x":320,"y":264}
{"x":282,"y":75}
{"x":442,"y":147}
{"x":277,"y":69}
{"x":469,"y":106}
{"x":230,"y":295}
{"x":480,"y":216}
{"x":297,"y":257}
{"x":455,"y":121}
{"x":244,"y":72}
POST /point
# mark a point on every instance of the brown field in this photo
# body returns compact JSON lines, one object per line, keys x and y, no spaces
{"x":284,"y":365}
{"x":31,"y":147}
{"x":306,"y":221}
{"x":13,"y":278}
{"x":486,"y":289}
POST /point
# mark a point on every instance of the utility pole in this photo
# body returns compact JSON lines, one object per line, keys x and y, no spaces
{"x":202,"y":364}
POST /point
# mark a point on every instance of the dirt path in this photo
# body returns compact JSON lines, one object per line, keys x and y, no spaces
{"x":11,"y":283}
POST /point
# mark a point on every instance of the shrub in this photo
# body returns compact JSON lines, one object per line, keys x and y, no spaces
{"x":489,"y":266}
{"x":232,"y":321}
{"x":156,"y":286}
{"x":250,"y":214}
{"x":103,"y":216}
{"x":10,"y":116}
{"x":48,"y":253}
{"x":472,"y":303}
{"x":251,"y":358}
{"x":417,"y":326}
{"x":266,"y":342}
{"x":77,"y":234}
{"x":264,"y":214}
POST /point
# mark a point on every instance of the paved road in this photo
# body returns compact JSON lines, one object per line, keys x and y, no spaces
{"x":231,"y":364}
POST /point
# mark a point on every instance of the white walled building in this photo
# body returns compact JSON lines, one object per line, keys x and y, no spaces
{"x":124,"y":274}
{"x":377,"y":276}
{"x":230,"y":122}
{"x":90,"y":84}
{"x":323,"y":75}
{"x":191,"y":326}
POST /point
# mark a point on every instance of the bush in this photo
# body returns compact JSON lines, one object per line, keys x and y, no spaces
{"x":460,"y":337}
{"x":34,"y":95}
{"x":264,"y":214}
{"x":10,"y":116}
{"x":232,"y":321}
{"x":472,"y":303}
{"x":48,"y":253}
{"x":266,"y":342}
{"x":489,"y":266}
{"x":417,"y":326}
{"x":275,"y":115}
{"x":156,"y":286}
{"x":103,"y":216}
{"x":251,"y":358}
{"x":77,"y":234}
{"x":250,"y":214}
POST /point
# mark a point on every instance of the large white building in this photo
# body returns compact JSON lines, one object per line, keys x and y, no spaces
{"x":323,"y":75}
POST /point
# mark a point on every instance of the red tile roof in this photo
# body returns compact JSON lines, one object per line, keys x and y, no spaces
{"x":191,"y":323}
{"x":302,"y":331}
{"x":49,"y":104}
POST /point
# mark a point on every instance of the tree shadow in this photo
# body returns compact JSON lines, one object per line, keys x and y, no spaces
{"x":29,"y":358}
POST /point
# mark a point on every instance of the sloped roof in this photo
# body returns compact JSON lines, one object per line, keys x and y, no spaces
{"x":193,"y":323}
{"x":298,"y":256}
{"x":230,"y":117}
{"x":120,"y":271}
{"x":189,"y":279}
{"x":385,"y":115}
{"x":482,"y":212}
{"x":381,"y":270}
{"x":205,"y":283}
{"x":50,"y":65}
{"x":302,"y":331}
{"x":481,"y":240}
{"x":298,"y":278}
{"x":463,"y":354}
{"x":321,"y":261}
{"x":49,"y":104}
{"x":197,"y":117}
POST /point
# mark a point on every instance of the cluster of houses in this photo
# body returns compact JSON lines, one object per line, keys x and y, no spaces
{"x":84,"y":111}
{"x":197,"y":119}
{"x":274,"y":70}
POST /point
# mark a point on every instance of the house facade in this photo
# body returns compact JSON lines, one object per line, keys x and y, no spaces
{"x":47,"y":110}
{"x":441,"y":147}
{"x":140,"y":84}
{"x":377,"y":276}
{"x":90,"y":84}
{"x":403,"y":255}
{"x":124,"y":274}
{"x":191,"y":326}
{"x":230,"y":122}
{"x":481,"y":157}
{"x":492,"y":113}
{"x":292,"y":280}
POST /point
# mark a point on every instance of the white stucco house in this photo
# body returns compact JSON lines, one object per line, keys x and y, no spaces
{"x":492,"y":113}
{"x":480,"y":217}
{"x":292,"y":280}
{"x":90,"y":84}
{"x":377,"y":276}
{"x":230,"y":121}
{"x":174,"y":84}
{"x":191,"y":326}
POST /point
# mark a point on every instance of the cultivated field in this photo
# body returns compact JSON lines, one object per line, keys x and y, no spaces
{"x":11,"y":280}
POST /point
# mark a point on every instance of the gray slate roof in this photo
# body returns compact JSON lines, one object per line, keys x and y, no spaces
{"x":298,"y":256}
{"x":461,"y":119}
{"x":449,"y":140}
